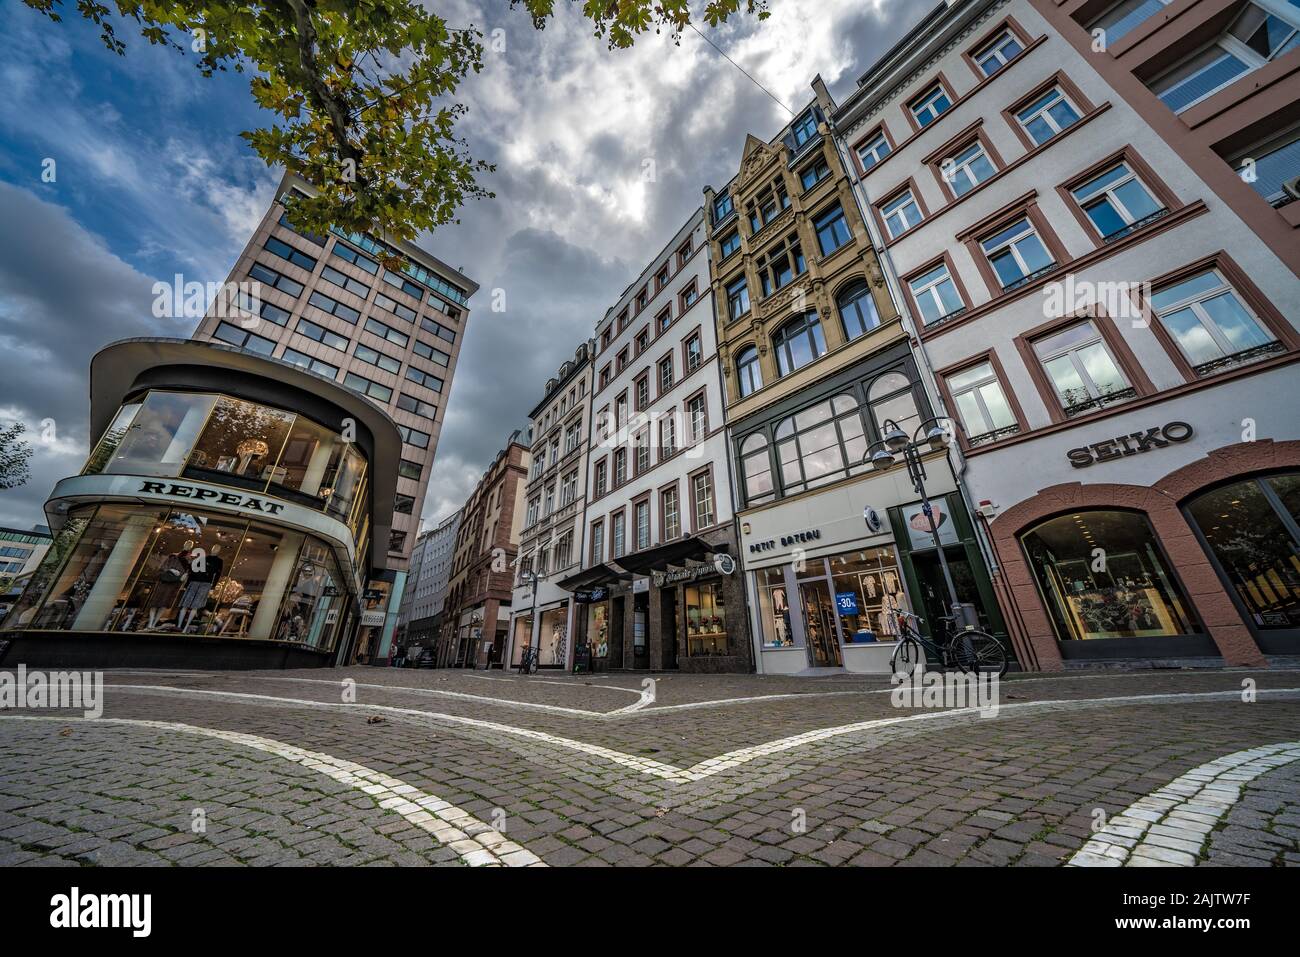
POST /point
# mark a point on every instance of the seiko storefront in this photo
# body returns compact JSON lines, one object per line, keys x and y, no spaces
{"x":226,"y":517}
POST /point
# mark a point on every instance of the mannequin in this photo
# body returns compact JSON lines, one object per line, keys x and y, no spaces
{"x":205,"y":571}
{"x":171,"y":575}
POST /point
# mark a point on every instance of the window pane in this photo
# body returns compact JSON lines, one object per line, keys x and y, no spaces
{"x":161,"y":435}
{"x":1235,"y":322}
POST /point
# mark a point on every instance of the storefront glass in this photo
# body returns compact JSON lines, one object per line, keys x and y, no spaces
{"x":552,"y":642}
{"x":1102,"y":575}
{"x":1251,"y":530}
{"x":598,"y":629}
{"x":868,"y":593}
{"x":133,"y":569}
{"x":774,"y":608}
{"x":159,"y":439}
{"x":706,"y":620}
{"x":523,"y":638}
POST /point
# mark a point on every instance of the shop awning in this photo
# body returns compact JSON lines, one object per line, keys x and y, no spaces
{"x":672,"y":553}
{"x":602,"y":574}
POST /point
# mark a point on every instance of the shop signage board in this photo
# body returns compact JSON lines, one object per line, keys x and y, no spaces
{"x":846,"y":602}
{"x":786,"y":541}
{"x":918,"y":526}
{"x":1135,"y":443}
{"x":372,"y":619}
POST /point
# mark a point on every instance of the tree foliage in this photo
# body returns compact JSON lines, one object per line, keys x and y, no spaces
{"x":362,"y":91}
{"x":15,"y":451}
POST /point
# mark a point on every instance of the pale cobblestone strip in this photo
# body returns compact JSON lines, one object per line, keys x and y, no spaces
{"x":1168,"y":827}
{"x":476,"y":842}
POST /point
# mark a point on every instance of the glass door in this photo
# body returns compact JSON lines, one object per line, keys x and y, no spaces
{"x":819,"y":624}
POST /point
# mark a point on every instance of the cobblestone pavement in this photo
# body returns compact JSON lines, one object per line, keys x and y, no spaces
{"x":379,"y":767}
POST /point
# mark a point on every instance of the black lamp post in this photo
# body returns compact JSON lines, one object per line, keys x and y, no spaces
{"x":894,"y":442}
{"x":530,"y":576}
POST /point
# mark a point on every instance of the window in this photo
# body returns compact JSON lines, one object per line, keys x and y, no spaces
{"x":243,"y":339}
{"x":269,"y":277}
{"x":756,"y":469}
{"x":803,"y":130}
{"x":1017,"y":254}
{"x":1116,"y":201}
{"x":873,"y":151}
{"x":395,"y":307}
{"x":642,"y":445}
{"x":642,"y":341}
{"x":1082,"y":370}
{"x":642,"y":525}
{"x":602,"y":478}
{"x":671,"y":514}
{"x":441,"y":331}
{"x":572,"y":437}
{"x":424,"y":379}
{"x":411,"y":404}
{"x":665,"y":374}
{"x":330,"y":274}
{"x":620,"y":410}
{"x":936,"y":295}
{"x":689,"y":295}
{"x":900,"y":214}
{"x":722,"y":207}
{"x":642,"y":391}
{"x":738,"y":298}
{"x":597,"y":542}
{"x":820,"y":444}
{"x":981,"y":404}
{"x":891,"y":397}
{"x":1213,"y":327}
{"x":282,"y":249}
{"x":620,"y":467}
{"x":403,"y":504}
{"x":748,"y":376}
{"x":366,"y":387}
{"x":697,"y":417}
{"x":642,"y":298}
{"x":664,"y":319}
{"x":694,"y":353}
{"x":309,"y":362}
{"x":661,"y":278}
{"x":1275,"y":162}
{"x":781,"y":264}
{"x":832,"y":230}
{"x":1133,"y":594}
{"x":619,"y":543}
{"x":1264,"y":31}
{"x":321,"y":335}
{"x":413,"y":436}
{"x":814,"y":173}
{"x":410,"y":288}
{"x":857,"y":310}
{"x":1250,"y":528}
{"x":1047,"y":116}
{"x":534,"y":512}
{"x":348,"y":254}
{"x":667,"y":436}
{"x":376,"y":358}
{"x":1124,"y":16}
{"x":334,"y":307}
{"x":702,"y":497}
{"x":930,"y":105}
{"x":377,"y":328}
{"x":798,"y":343}
{"x":684,"y":252}
{"x":997,"y":54}
{"x":967,"y":168}
{"x":620,"y":360}
{"x":427,"y":351}
{"x":409,"y":470}
{"x":605,"y":375}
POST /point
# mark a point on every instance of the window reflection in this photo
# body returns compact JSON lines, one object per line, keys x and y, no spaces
{"x":161,"y":434}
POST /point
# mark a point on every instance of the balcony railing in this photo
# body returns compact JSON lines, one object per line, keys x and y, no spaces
{"x":1244,"y":357}
{"x":1135,"y":226}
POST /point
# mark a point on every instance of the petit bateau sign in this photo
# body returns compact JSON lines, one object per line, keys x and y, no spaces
{"x":198,"y":493}
{"x":1134,"y":443}
{"x":794,"y":538}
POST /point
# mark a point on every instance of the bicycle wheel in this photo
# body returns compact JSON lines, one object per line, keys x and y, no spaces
{"x":980,"y":652}
{"x":908,"y":658}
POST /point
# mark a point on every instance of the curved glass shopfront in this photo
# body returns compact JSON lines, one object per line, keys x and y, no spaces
{"x":179,"y":571}
{"x":228,"y":441}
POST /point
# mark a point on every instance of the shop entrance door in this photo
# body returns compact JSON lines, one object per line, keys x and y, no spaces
{"x":668,"y":626}
{"x":819,"y":625}
{"x":934,"y":592}
{"x":640,"y":630}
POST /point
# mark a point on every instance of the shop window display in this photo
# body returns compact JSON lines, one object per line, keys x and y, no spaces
{"x":706,"y":620}
{"x":523,"y":638}
{"x":1251,"y":530}
{"x":774,"y":608}
{"x":868,"y":594}
{"x":159,"y":438}
{"x":1102,"y":575}
{"x":598,"y":630}
{"x":552,"y":644}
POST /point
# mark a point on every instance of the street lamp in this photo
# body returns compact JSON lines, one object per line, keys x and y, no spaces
{"x":530,"y":576}
{"x":894,"y":441}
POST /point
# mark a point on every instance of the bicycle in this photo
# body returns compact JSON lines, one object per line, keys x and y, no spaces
{"x":528,"y":662}
{"x":967,"y":649}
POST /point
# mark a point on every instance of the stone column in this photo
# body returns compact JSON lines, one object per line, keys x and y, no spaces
{"x":316,"y":466}
{"x":278,"y":580}
{"x":116,"y":571}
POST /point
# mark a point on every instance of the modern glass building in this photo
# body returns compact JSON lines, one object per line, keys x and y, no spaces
{"x":227,"y":516}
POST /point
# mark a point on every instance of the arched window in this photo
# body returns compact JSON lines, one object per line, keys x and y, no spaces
{"x":798,"y":343}
{"x":890,"y":397}
{"x":748,"y":374}
{"x":857,"y":310}
{"x":756,"y":467}
{"x":820,"y":444}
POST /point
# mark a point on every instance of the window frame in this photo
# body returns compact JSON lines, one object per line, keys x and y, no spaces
{"x":953,"y":276}
{"x":781,"y":342}
{"x":966,"y":440}
{"x":1156,"y":187}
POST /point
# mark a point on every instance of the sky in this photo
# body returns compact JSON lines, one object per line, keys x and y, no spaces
{"x":151,"y":179}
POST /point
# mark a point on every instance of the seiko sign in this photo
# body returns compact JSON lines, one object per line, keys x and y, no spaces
{"x":199,"y":494}
{"x":1134,"y":443}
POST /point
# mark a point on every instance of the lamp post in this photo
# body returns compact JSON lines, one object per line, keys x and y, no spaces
{"x":894,"y":442}
{"x":530,"y":576}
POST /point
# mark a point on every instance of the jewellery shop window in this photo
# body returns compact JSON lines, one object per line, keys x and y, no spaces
{"x":868,"y":593}
{"x":706,"y":621}
{"x":1102,"y":575}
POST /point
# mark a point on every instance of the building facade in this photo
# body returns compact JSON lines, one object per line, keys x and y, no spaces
{"x":226,"y":516}
{"x":385,"y":320}
{"x":552,"y":540}
{"x":1107,"y":305}
{"x":476,"y":615}
{"x":660,"y":587}
{"x":420,"y":617}
{"x":21,"y":552}
{"x":816,"y":362}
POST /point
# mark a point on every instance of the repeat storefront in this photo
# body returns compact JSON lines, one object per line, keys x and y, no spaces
{"x":225,"y":515}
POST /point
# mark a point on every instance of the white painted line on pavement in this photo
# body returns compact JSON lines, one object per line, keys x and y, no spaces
{"x":476,"y":843}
